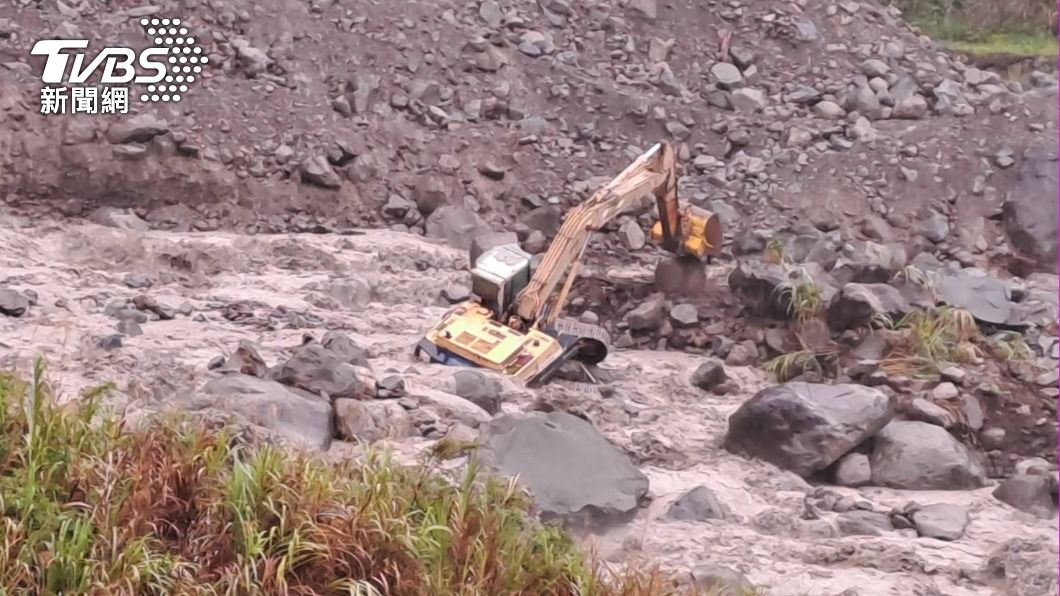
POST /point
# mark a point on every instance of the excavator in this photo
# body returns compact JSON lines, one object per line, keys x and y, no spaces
{"x":511,"y":323}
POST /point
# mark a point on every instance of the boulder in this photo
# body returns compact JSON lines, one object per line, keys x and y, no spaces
{"x":698,"y":504}
{"x":760,"y":284}
{"x":456,"y":225}
{"x":942,"y":521}
{"x":857,"y":305}
{"x":1031,"y":494}
{"x":346,"y":349}
{"x":915,"y":455}
{"x":370,"y":421}
{"x":987,"y":299}
{"x":295,"y":415}
{"x":709,"y":375}
{"x":593,"y":482}
{"x":480,"y":389}
{"x":806,"y":427}
{"x":1029,"y":211}
{"x":12,"y":303}
{"x":853,"y":470}
{"x":316,"y":369}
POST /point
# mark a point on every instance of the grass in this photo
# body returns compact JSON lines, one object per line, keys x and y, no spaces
{"x":91,"y":507}
{"x":803,"y":298}
{"x":1023,"y":28}
{"x":932,"y":340}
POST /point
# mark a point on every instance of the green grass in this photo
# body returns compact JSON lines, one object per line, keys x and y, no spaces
{"x":1028,"y":44}
{"x":1023,"y":28}
{"x":91,"y":507}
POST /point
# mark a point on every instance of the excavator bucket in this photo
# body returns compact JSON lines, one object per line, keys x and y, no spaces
{"x":700,"y":233}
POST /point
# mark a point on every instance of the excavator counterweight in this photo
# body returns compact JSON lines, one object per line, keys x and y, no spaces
{"x":512,"y":322}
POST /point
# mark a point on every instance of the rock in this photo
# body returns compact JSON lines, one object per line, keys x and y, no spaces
{"x":727,"y":75}
{"x":853,"y":470}
{"x":759,"y":283}
{"x":709,"y":375}
{"x":484,"y":241}
{"x":1035,"y":495}
{"x":942,"y":521}
{"x":857,"y":305}
{"x":741,"y":56}
{"x":398,"y":207}
{"x":803,"y":94}
{"x":490,"y":13}
{"x":684,"y":316}
{"x":987,"y":299}
{"x":109,"y":342}
{"x":478,"y":388}
{"x":632,"y":235}
{"x":648,"y":9}
{"x":371,"y":421}
{"x":129,"y":328}
{"x":253,"y":60}
{"x":1029,"y":211}
{"x":392,"y":387}
{"x":915,"y":455}
{"x":926,"y":411}
{"x":944,"y":391}
{"x":950,"y":101}
{"x":748,"y":100}
{"x":722,"y":581}
{"x":935,"y":226}
{"x":874,"y":67}
{"x":992,"y":438}
{"x":247,"y":361}
{"x":806,"y":427}
{"x":322,"y":372}
{"x":295,"y":415}
{"x":12,"y":303}
{"x":829,"y":109}
{"x":805,"y":30}
{"x":744,"y":353}
{"x":140,"y":128}
{"x":863,"y":523}
{"x":430,"y":193}
{"x":597,"y":483}
{"x":953,"y":374}
{"x":346,"y":349}
{"x":698,"y":504}
{"x":455,"y":224}
{"x":121,"y":219}
{"x":913,"y":107}
{"x":317,"y":171}
{"x":648,"y":315}
{"x":868,"y":263}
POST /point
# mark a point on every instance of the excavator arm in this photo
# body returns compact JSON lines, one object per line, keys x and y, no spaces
{"x":688,"y":231}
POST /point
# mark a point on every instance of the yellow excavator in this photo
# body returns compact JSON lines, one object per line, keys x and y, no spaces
{"x":511,"y":323}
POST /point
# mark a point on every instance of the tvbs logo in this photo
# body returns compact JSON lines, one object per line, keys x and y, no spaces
{"x":164,"y":69}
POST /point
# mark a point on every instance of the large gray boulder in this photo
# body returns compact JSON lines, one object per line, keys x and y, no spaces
{"x":319,"y":370}
{"x":806,"y":427}
{"x":1029,"y":212}
{"x":1028,"y":493}
{"x":298,"y":416}
{"x":920,"y":456}
{"x":573,"y":472}
{"x":456,"y":225}
{"x":856,"y":305}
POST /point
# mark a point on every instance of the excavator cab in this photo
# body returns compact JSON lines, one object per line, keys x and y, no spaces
{"x":499,"y":275}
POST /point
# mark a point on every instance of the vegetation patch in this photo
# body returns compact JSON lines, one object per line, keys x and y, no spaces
{"x":91,"y":507}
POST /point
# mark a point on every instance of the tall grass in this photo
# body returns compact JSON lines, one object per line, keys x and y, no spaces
{"x":90,"y":507}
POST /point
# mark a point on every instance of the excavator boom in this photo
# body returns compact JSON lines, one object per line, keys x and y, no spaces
{"x":512,"y":322}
